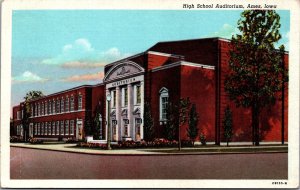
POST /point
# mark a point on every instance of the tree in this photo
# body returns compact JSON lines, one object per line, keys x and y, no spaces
{"x":88,"y":126}
{"x":193,"y":122}
{"x":255,"y":74}
{"x":97,"y":122}
{"x":176,"y":117}
{"x":26,"y":110}
{"x":227,"y":123}
{"x":148,"y":123}
{"x":171,"y":124}
{"x":184,"y":105}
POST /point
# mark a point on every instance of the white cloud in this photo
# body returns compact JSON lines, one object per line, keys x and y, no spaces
{"x":82,"y":65}
{"x":226,"y":31}
{"x":81,"y":54}
{"x":28,"y":77}
{"x":114,"y":54}
{"x":85,"y":77}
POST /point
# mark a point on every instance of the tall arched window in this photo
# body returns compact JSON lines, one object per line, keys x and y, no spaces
{"x":163,"y":103}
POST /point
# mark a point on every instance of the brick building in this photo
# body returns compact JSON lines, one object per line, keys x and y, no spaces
{"x":164,"y":73}
{"x":60,"y":115}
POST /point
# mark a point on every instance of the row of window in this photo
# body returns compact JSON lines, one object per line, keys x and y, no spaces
{"x":124,"y":96}
{"x":55,"y":106}
{"x":54,"y":128}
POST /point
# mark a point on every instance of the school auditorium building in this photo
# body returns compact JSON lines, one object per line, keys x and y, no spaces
{"x":162,"y":74}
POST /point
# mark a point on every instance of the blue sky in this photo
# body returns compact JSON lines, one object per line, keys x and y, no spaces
{"x":53,"y":50}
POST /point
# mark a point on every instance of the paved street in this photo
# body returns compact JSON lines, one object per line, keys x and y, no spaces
{"x":45,"y":164}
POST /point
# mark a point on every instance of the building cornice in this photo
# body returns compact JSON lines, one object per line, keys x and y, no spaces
{"x":183,"y":63}
{"x":65,"y":91}
{"x":165,"y":54}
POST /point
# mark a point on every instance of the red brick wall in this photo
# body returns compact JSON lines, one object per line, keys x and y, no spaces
{"x":202,"y":51}
{"x":90,"y":95}
{"x":270,"y":119}
{"x":170,"y":79}
{"x":198,"y":84}
{"x":15,"y":121}
{"x":159,"y":60}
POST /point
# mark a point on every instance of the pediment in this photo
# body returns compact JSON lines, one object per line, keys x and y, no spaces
{"x":123,"y":69}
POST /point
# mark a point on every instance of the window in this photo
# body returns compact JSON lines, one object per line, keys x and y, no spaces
{"x":39,"y":109}
{"x":38,"y":128}
{"x":53,"y":107}
{"x":19,"y":129}
{"x":62,"y":108}
{"x":114,"y":95}
{"x":46,"y":108}
{"x":125,"y":97}
{"x":163,"y":103}
{"x":67,"y":104}
{"x":79,"y":102}
{"x":138,"y":94}
{"x":45,"y":128}
{"x":42,"y":111}
{"x":67,"y":128}
{"x":72,"y":103}
{"x":49,"y":127}
{"x":72,"y":127}
{"x":18,"y":115}
{"x":57,"y":106}
{"x":57,"y":129}
{"x":35,"y":109}
{"x":53,"y":128}
{"x":31,"y":109}
{"x":62,"y":127}
{"x":50,"y":107}
{"x":35,"y":129}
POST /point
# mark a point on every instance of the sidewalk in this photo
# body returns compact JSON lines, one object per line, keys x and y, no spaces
{"x":269,"y":148}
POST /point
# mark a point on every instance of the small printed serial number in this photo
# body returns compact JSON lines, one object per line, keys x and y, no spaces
{"x":279,"y":183}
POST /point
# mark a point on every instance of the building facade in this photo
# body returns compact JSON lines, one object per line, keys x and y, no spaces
{"x":163,"y":74}
{"x":61,"y":115}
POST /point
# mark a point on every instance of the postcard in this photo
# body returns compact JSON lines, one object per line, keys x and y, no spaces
{"x":149,"y":94}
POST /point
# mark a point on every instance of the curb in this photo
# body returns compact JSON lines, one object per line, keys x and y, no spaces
{"x":151,"y":154}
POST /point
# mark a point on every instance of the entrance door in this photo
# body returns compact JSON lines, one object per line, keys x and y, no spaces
{"x":137,"y":129}
{"x":79,"y":129}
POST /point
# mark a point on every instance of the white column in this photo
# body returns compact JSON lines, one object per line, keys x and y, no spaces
{"x":118,"y":113}
{"x":130,"y":110}
{"x":142,"y":110}
{"x":106,"y":115}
